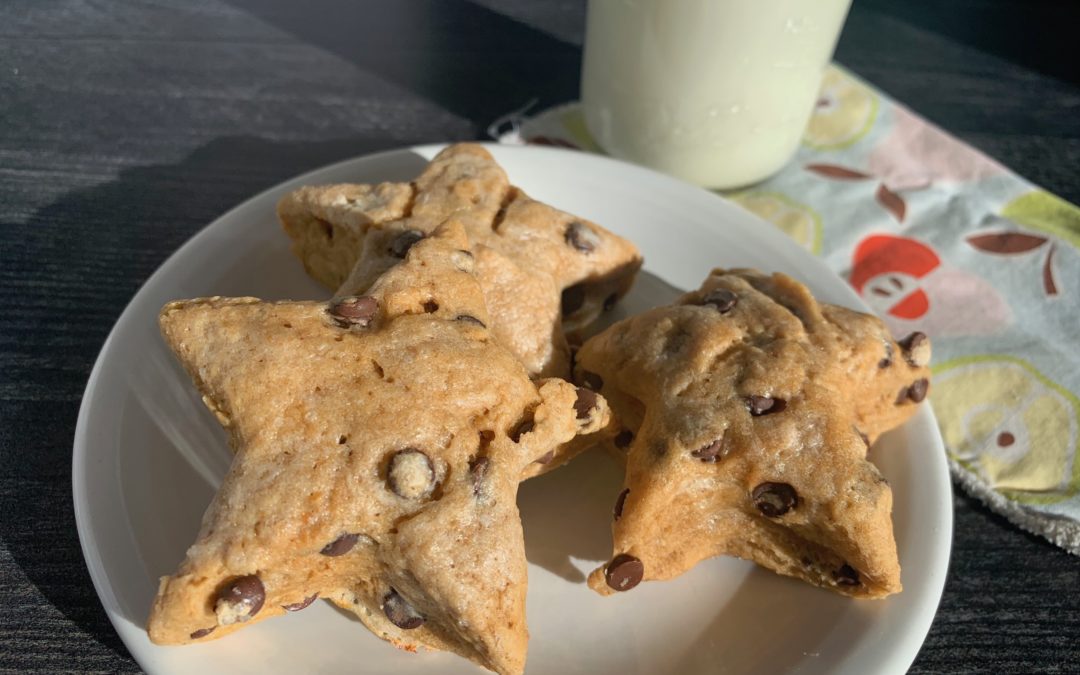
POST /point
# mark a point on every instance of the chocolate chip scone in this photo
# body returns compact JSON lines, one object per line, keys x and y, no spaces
{"x":543,"y":271}
{"x":379,"y":441}
{"x":747,"y":409}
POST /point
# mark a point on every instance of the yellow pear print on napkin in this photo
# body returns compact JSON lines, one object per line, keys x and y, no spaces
{"x":798,"y":221}
{"x":1040,"y":210}
{"x":845,"y":111}
{"x":1004,"y":420}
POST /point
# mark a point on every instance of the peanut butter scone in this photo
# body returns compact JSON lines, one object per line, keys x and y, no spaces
{"x":543,"y":272}
{"x":747,"y":409}
{"x":379,"y":441}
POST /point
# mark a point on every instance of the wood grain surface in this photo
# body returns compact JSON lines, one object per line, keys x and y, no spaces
{"x":126,"y":126}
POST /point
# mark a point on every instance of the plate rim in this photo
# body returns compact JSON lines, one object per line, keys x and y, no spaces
{"x":901,"y":653}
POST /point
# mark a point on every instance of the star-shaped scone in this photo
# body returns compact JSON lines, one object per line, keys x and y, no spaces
{"x":379,"y":441}
{"x":747,"y":409}
{"x":543,"y":272}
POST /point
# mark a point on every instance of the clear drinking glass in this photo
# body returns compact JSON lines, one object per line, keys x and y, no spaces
{"x":717,"y":92}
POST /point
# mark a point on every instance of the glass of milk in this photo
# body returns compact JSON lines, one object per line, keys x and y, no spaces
{"x":717,"y":92}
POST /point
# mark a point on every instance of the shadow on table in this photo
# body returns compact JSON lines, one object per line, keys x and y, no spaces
{"x":75,"y":265}
{"x":1038,"y":34}
{"x":468,"y":59}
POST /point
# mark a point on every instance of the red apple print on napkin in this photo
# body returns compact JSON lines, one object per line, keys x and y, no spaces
{"x":905,"y":281}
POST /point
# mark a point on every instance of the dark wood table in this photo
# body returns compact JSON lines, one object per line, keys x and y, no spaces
{"x":127,"y":126}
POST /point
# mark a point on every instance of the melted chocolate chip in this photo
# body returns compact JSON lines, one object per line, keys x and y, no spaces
{"x":581,"y":237}
{"x":592,"y":380}
{"x":624,"y":572}
{"x":846,"y":576}
{"x":400,"y":612}
{"x":774,"y":499}
{"x":765,"y":405}
{"x":202,"y":632}
{"x":341,"y":545}
{"x":722,"y":299}
{"x":468,"y":318}
{"x":404,"y":241}
{"x":586,"y":402}
{"x":478,"y":469}
{"x":430,"y":306}
{"x":620,"y":502}
{"x":297,"y":606}
{"x":546,"y":457}
{"x":410,"y":474}
{"x":573,"y":299}
{"x":1005,"y":439}
{"x":354,"y":311}
{"x":917,"y":390}
{"x":240,"y":599}
{"x":624,"y":439}
{"x":711,"y":453}
{"x":916,"y":349}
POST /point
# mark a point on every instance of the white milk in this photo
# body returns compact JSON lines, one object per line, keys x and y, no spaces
{"x":717,"y":92}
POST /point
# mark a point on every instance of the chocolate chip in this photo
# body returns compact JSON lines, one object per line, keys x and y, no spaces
{"x":711,"y":453}
{"x":404,"y":241}
{"x":239,"y":600}
{"x":765,"y":405}
{"x":478,"y":469}
{"x":1005,"y":439}
{"x":354,"y":311}
{"x":620,"y":502}
{"x":846,"y":576}
{"x":522,"y":429}
{"x":916,"y":349}
{"x":722,"y":299}
{"x":586,"y":402}
{"x":546,"y":457}
{"x":609,"y":302}
{"x":624,"y":572}
{"x":400,"y":612}
{"x":410,"y":474}
{"x":468,"y":318}
{"x":581,"y":237}
{"x":430,"y":306}
{"x":592,"y":380}
{"x":573,"y":298}
{"x":886,"y":360}
{"x":917,"y":390}
{"x":297,"y":606}
{"x":202,"y":632}
{"x":774,"y":499}
{"x":624,"y":439}
{"x":341,"y":545}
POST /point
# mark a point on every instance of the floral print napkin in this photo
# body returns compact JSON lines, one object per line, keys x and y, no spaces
{"x":937,"y":237}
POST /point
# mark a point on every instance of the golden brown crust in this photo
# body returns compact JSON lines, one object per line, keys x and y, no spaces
{"x":319,"y":402}
{"x":528,"y":254}
{"x":781,"y":479}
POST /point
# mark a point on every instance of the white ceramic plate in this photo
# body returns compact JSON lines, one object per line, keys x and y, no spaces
{"x":148,"y":458}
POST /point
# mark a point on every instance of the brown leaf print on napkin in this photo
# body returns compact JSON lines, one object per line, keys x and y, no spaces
{"x":1016,"y":243}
